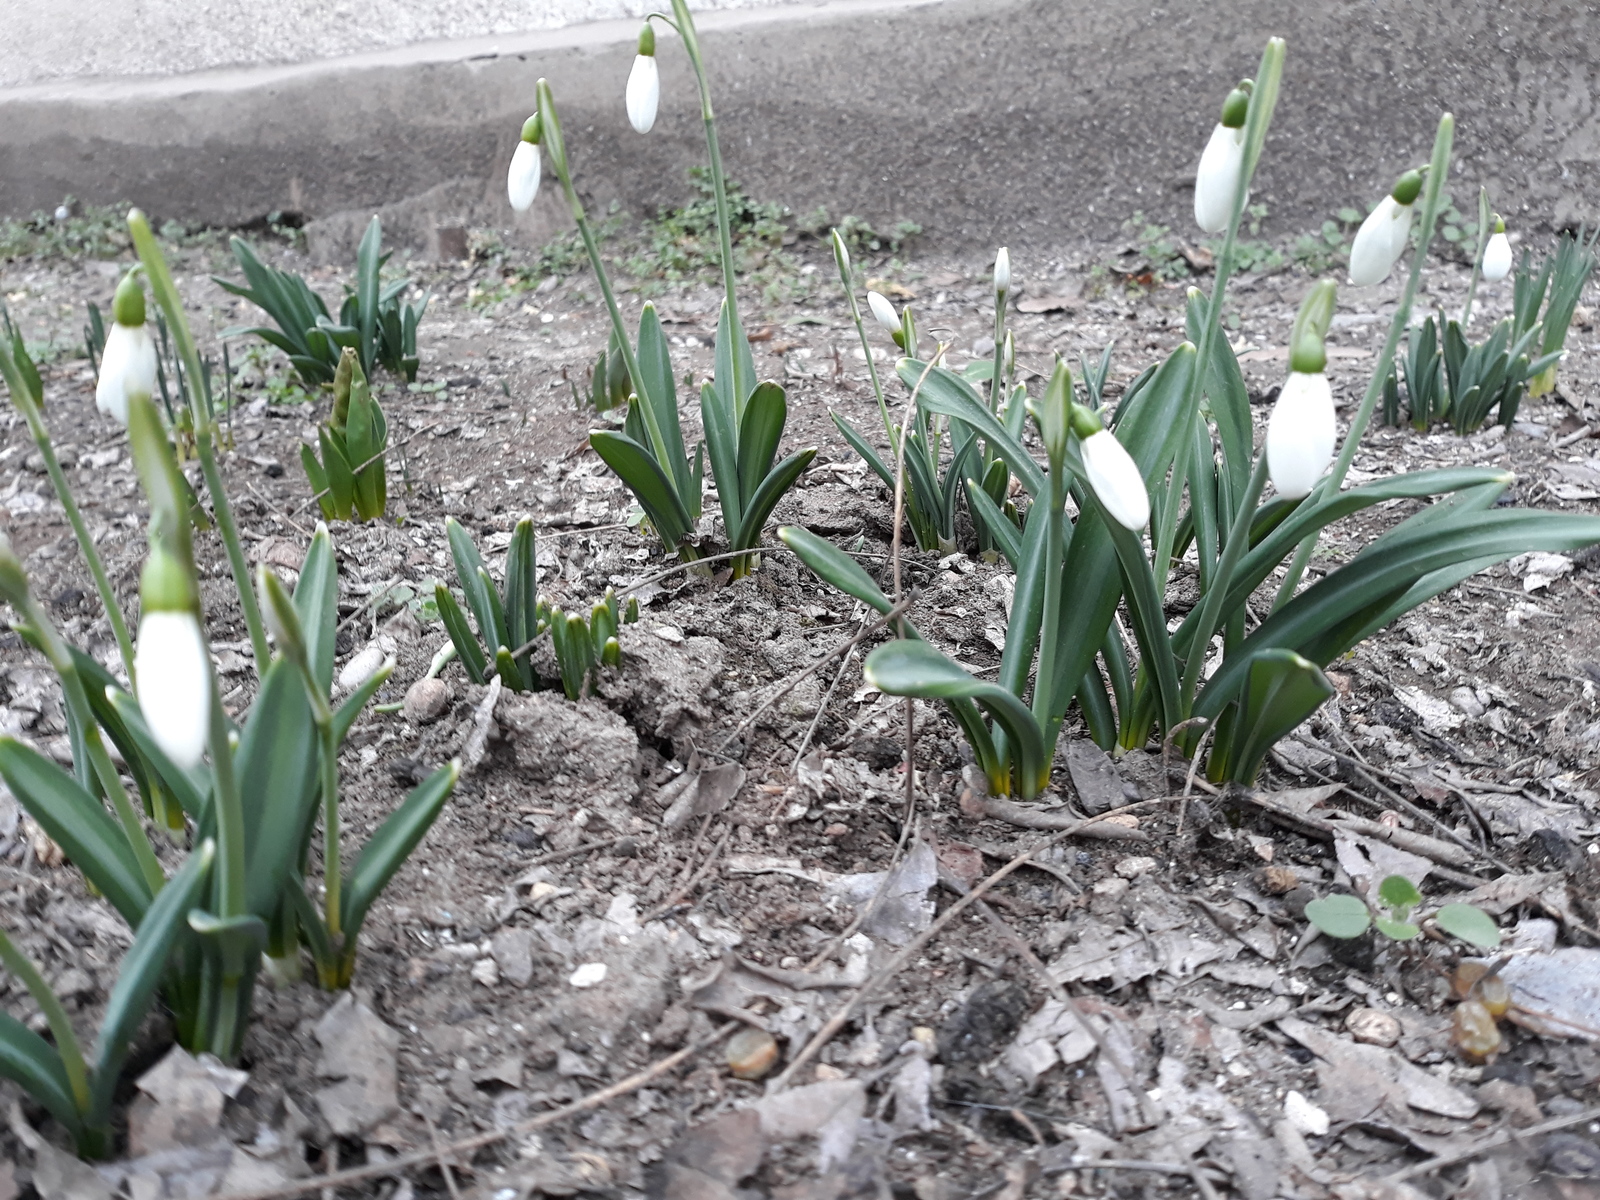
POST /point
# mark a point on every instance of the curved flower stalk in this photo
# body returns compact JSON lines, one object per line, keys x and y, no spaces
{"x":1382,"y":238}
{"x":1217,"y":179}
{"x":643,"y":96}
{"x":522,"y":181}
{"x":205,"y":426}
{"x":128,"y":362}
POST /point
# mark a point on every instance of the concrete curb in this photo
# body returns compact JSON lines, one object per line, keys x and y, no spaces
{"x":987,"y":121}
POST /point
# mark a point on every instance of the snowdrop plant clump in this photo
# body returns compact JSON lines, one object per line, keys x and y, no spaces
{"x":1174,"y":475}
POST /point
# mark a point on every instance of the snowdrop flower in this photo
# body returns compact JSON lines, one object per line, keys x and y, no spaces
{"x":1381,"y":240}
{"x":1497,"y":254}
{"x":1216,"y":180}
{"x":171,"y":663}
{"x":1302,"y":430}
{"x":522,"y":182}
{"x":1002,"y":274}
{"x":1116,"y":480}
{"x":884,"y":311}
{"x":644,"y":83}
{"x":128,"y":363}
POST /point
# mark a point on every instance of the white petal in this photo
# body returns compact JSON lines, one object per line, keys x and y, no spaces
{"x":1379,"y":242}
{"x":1300,"y":434}
{"x":1116,"y":480}
{"x":884,"y":311}
{"x":1497,"y":258}
{"x":1002,"y":271}
{"x":644,"y":92}
{"x":1217,"y":178}
{"x":174,"y":684}
{"x":522,"y":182}
{"x":127,"y":368}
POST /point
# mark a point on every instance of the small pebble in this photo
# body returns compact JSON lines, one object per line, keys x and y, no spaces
{"x":1304,"y":1115}
{"x":751,"y":1053}
{"x":426,"y":699}
{"x":1135,"y":866}
{"x":361,"y":668}
{"x":486,"y":971}
{"x":1111,"y":886}
{"x":1275,"y":881}
{"x":588,"y":975}
{"x":1373,"y":1027}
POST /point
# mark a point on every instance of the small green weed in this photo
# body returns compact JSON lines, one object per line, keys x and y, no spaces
{"x":87,"y":231}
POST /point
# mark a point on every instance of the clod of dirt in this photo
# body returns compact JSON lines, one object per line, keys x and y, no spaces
{"x":513,"y":953}
{"x":425,"y":700}
{"x":985,"y":1024}
{"x":664,"y":688}
{"x":358,"y":1050}
{"x":583,"y":749}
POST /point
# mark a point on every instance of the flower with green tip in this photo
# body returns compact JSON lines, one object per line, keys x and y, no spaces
{"x":171,"y":664}
{"x":1381,"y":240}
{"x":1116,"y":480}
{"x":1497,"y":254}
{"x":1302,"y":429}
{"x":128,"y":362}
{"x":884,"y":311}
{"x":1216,"y":180}
{"x":1002,"y":274}
{"x":644,"y":83}
{"x":522,"y":181}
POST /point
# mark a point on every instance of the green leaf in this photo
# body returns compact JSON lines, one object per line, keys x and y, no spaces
{"x":522,"y":586}
{"x":1283,"y":689}
{"x":347,"y":712}
{"x":722,"y":444}
{"x":771,"y":489}
{"x":1400,"y":931}
{"x":391,"y":845}
{"x":661,"y":394}
{"x":760,"y":431}
{"x":276,"y":765}
{"x":316,"y":600}
{"x":369,"y":257}
{"x":190,"y":788}
{"x":318,"y":478}
{"x":832,"y":565}
{"x":649,"y":484}
{"x":474,"y":585}
{"x":1339,"y":916}
{"x":141,"y":971}
{"x":1399,"y":893}
{"x":341,"y":480}
{"x":913,"y":668}
{"x":987,"y":514}
{"x":364,"y":441}
{"x":80,"y":825}
{"x":864,"y":448}
{"x":946,"y":393}
{"x":1470,"y":924}
{"x":461,"y":635}
{"x":33,"y":1063}
{"x":1149,"y":618}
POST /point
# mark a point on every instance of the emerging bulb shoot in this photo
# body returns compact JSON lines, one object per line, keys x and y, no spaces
{"x":128,"y":363}
{"x":1497,"y":254}
{"x":522,"y":181}
{"x":171,"y":664}
{"x":643,"y":93}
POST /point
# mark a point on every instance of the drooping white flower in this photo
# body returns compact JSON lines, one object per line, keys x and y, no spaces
{"x":1216,"y":181}
{"x":1497,"y":254}
{"x":522,"y":182}
{"x":644,"y":92}
{"x":884,"y":311}
{"x":1300,"y":434}
{"x":127,"y":368}
{"x":174,"y":689}
{"x":1115,"y":478}
{"x":1002,"y":273}
{"x":1379,"y":242}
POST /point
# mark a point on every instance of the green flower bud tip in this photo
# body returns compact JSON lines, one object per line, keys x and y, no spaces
{"x":164,"y":585}
{"x":1053,"y":413}
{"x":1407,"y":188}
{"x":647,"y":40}
{"x":1084,"y":421}
{"x":1236,"y":108}
{"x":128,"y":305}
{"x":1499,"y":223}
{"x":533,"y":130}
{"x":1307,"y":353}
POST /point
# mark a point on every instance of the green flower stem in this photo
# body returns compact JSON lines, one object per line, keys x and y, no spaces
{"x":322,"y":716}
{"x":691,"y":43}
{"x":166,"y":295}
{"x":1438,"y":170}
{"x":230,"y":869}
{"x":55,"y":650}
{"x":842,"y":258}
{"x":28,"y":406}
{"x":1484,"y":234}
{"x":1263,"y":100}
{"x":67,"y":1046}
{"x":1221,"y":578}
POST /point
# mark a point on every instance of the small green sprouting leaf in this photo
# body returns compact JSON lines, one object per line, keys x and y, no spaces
{"x":834,"y":566}
{"x":1339,"y":916}
{"x":1470,"y":924}
{"x":1400,"y":931}
{"x":1399,"y":893}
{"x":461,"y":635}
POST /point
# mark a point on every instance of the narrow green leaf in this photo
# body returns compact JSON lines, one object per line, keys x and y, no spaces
{"x":986,"y":513}
{"x":345,"y":715}
{"x":864,"y":448}
{"x":947,"y":393}
{"x":368,"y":260}
{"x":1283,"y":689}
{"x":341,"y":480}
{"x":649,"y":484}
{"x":722,"y":444}
{"x":276,"y":764}
{"x":461,"y":635}
{"x":655,"y":364}
{"x":316,"y":600}
{"x":190,"y":788}
{"x":760,"y":431}
{"x":770,"y":490}
{"x":33,"y":1064}
{"x":318,"y":478}
{"x":470,"y":574}
{"x":391,"y":845}
{"x":834,"y":566}
{"x":522,"y":586}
